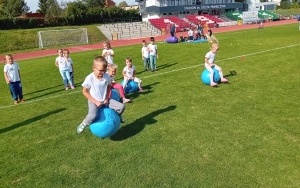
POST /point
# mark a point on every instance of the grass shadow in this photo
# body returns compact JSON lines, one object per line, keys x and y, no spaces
{"x":231,"y":73}
{"x":139,"y":124}
{"x":41,"y":90}
{"x":146,"y":88}
{"x":45,"y":94}
{"x":158,"y":67}
{"x":31,"y":120}
{"x":165,"y":66}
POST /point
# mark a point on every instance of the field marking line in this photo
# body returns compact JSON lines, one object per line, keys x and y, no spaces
{"x":162,"y":73}
{"x":230,"y":58}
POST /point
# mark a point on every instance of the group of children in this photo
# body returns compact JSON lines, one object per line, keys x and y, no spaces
{"x":149,"y":55}
{"x":198,"y":34}
{"x":65,"y":66}
{"x":97,"y":85}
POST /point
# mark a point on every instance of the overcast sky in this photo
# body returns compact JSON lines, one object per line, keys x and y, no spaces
{"x":33,"y":4}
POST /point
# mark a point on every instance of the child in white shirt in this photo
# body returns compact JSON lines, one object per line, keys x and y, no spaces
{"x":129,"y":74}
{"x":61,"y":64}
{"x":112,"y":70}
{"x":70,"y":65}
{"x":13,"y":78}
{"x":145,"y":56}
{"x":96,"y":88}
{"x":152,"y":48}
{"x":108,"y":53}
{"x":210,"y":64}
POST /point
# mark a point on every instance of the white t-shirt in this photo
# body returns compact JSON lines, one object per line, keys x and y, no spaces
{"x":153,"y":49}
{"x":190,"y":33}
{"x":69,"y":64}
{"x":12,"y":71}
{"x":129,"y":71}
{"x":62,"y":63}
{"x":210,"y":57}
{"x":109,"y":58}
{"x":97,"y":87}
{"x":145,"y":52}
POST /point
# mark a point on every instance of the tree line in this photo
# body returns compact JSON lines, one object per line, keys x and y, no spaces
{"x":78,"y":12}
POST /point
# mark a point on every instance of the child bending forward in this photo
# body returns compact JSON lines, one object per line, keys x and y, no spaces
{"x":96,"y":88}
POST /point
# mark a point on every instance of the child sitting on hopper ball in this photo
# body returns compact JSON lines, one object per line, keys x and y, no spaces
{"x":129,"y":74}
{"x":112,"y":70}
{"x":96,"y":88}
{"x":210,"y":64}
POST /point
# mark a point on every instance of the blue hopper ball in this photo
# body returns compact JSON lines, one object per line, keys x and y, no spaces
{"x":131,"y":87}
{"x":106,"y":124}
{"x":205,"y":76}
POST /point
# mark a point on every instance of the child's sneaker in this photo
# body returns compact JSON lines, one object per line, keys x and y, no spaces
{"x":224,"y":80}
{"x":16,"y":102}
{"x":126,"y":100}
{"x":22,"y":100}
{"x":213,"y":84}
{"x":66,"y":88}
{"x":141,"y":90}
{"x":72,"y":87}
{"x":81,"y":128}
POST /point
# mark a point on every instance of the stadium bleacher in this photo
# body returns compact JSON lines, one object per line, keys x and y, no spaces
{"x":188,"y":22}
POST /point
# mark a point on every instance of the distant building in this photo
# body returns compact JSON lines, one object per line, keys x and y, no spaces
{"x":134,"y":7}
{"x":150,"y":9}
{"x":255,"y":5}
{"x":32,"y":15}
{"x":110,"y":3}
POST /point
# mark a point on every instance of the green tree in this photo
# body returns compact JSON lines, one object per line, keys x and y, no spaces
{"x":76,"y":9}
{"x":123,"y":4}
{"x":13,"y":8}
{"x":53,"y":9}
{"x":94,"y":3}
{"x":43,"y":6}
{"x":285,"y":4}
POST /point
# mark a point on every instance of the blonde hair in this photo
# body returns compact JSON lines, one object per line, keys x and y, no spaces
{"x":214,"y":45}
{"x":113,"y":67}
{"x":212,"y":39}
{"x":101,"y":60}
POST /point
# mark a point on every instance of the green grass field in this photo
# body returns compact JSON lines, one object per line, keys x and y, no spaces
{"x":178,"y":133}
